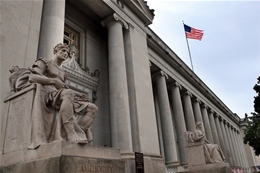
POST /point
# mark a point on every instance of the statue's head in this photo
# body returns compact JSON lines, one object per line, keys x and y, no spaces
{"x":60,"y":46}
{"x":14,"y":69}
{"x":198,"y":124}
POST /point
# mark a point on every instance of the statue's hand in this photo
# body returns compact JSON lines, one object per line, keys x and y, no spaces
{"x":59,"y":84}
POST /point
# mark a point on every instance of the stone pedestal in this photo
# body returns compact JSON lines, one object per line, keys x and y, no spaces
{"x":57,"y":156}
{"x":195,"y":154}
{"x":63,"y":157}
{"x":15,"y":132}
{"x":211,"y":168}
{"x":197,"y":163}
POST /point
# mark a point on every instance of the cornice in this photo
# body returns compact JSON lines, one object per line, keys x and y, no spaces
{"x":141,"y":9}
{"x":143,"y":5}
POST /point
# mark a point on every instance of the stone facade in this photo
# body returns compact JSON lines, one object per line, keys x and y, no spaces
{"x":147,"y":97}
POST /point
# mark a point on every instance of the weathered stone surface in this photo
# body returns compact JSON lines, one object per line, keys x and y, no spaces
{"x":16,"y":121}
{"x":211,"y":168}
{"x":51,"y":165}
{"x":67,"y":164}
{"x":195,"y":155}
{"x":82,"y":165}
{"x":56,"y":149}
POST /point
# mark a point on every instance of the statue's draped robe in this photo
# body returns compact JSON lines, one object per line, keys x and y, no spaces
{"x":212,"y":152}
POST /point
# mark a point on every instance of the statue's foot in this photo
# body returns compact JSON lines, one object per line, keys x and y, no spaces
{"x":71,"y":133}
{"x":75,"y":138}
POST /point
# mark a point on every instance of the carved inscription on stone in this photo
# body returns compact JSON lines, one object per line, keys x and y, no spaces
{"x":88,"y":168}
{"x":14,"y":136}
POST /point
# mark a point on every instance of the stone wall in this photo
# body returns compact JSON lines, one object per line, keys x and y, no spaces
{"x":20,"y":28}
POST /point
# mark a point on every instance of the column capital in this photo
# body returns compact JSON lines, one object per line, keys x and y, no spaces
{"x":211,"y":111}
{"x":228,"y":124}
{"x":203,"y":105}
{"x":160,"y":73}
{"x":215,"y":115}
{"x":114,"y":17}
{"x":186,"y":92}
{"x":196,"y":100}
{"x":220,"y":118}
{"x":225,"y":121}
{"x":175,"y":84}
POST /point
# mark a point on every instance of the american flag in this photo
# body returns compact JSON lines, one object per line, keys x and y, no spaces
{"x":193,"y":33}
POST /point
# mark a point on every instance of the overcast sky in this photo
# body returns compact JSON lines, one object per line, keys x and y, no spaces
{"x":227,"y":58}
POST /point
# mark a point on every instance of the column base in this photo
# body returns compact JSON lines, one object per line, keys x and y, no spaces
{"x":179,"y":169}
{"x":172,"y":164}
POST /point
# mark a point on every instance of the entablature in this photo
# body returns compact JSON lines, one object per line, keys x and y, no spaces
{"x":141,"y":9}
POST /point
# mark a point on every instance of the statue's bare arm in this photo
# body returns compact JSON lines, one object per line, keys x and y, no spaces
{"x":37,"y":77}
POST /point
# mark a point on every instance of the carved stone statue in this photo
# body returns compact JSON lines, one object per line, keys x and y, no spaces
{"x":58,"y":113}
{"x":212,"y":152}
{"x":16,"y":72}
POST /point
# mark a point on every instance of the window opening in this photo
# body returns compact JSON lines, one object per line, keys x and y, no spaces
{"x":71,"y":37}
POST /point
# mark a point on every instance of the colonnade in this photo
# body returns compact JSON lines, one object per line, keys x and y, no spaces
{"x":187,"y":109}
{"x":184,"y":108}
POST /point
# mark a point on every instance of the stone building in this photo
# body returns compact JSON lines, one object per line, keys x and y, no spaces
{"x":147,"y":96}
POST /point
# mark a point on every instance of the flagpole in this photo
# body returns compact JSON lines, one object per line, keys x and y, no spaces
{"x":188,"y":47}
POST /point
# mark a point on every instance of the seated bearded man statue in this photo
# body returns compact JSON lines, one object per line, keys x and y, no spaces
{"x":212,"y":152}
{"x":75,"y":113}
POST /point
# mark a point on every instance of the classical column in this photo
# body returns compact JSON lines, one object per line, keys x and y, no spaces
{"x":171,"y":158}
{"x":197,"y":112}
{"x":239,"y":151}
{"x":52,"y":27}
{"x":233,"y":131}
{"x":236,"y":162}
{"x":213,"y":127}
{"x":242,"y":145}
{"x":178,"y":114}
{"x":220,"y":136}
{"x":230,"y":152}
{"x":118,"y":92}
{"x":235,"y":145}
{"x":226,"y":148}
{"x":188,"y":111}
{"x":206,"y":123}
{"x":233,"y":156}
{"x":225,"y":137}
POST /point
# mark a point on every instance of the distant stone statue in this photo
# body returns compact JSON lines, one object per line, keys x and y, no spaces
{"x":212,"y":152}
{"x":58,"y":113}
